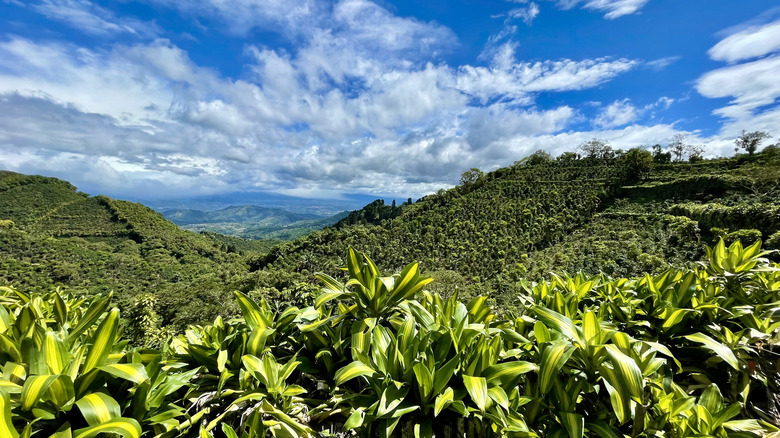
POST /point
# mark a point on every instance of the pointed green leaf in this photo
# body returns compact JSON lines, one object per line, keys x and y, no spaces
{"x":54,"y":353}
{"x":627,"y":371}
{"x":602,"y":429}
{"x":34,"y":388}
{"x":508,"y":373}
{"x":424,"y":379}
{"x":90,"y":316}
{"x":253,"y":315}
{"x":98,"y":408}
{"x":477,"y":389}
{"x":443,"y":374}
{"x":102,"y":341}
{"x":351,"y":371}
{"x":723,"y":351}
{"x":574,"y":424}
{"x":355,"y":420}
{"x":442,"y":401}
{"x":553,"y":359}
{"x":126,"y":427}
{"x":6,"y":425}
{"x":557,"y":322}
{"x":134,"y":372}
{"x":391,"y":398}
{"x":498,"y":395}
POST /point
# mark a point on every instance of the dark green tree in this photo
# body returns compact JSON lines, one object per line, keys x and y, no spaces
{"x":749,"y":141}
{"x":471,"y":176}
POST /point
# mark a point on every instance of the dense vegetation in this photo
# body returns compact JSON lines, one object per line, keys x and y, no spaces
{"x":621,"y":214}
{"x":53,"y":235}
{"x":686,"y":353}
{"x":495,"y":345}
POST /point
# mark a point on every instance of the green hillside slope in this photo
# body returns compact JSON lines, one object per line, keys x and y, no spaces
{"x":55,"y":236}
{"x":526,"y":220}
{"x":483,"y":237}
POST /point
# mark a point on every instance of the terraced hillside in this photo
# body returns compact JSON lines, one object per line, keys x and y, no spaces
{"x":482,"y":237}
{"x":52,"y":235}
{"x":584,"y":215}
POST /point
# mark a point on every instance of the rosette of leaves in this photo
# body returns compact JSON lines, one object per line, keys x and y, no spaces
{"x":66,"y":372}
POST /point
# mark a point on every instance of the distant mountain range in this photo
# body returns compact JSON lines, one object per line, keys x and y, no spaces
{"x":316,"y":207}
{"x":252,"y":221}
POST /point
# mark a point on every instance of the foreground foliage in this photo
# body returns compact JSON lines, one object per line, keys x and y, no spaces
{"x":689,"y":352}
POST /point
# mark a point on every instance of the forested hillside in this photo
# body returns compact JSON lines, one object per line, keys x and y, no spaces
{"x":622,"y":216}
{"x":464,"y":343}
{"x":51,"y":235}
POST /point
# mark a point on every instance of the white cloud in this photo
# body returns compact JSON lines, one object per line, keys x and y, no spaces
{"x":618,"y":113}
{"x":349,"y":109}
{"x":752,"y":86}
{"x":518,"y":80}
{"x":749,"y":43}
{"x":661,"y":63}
{"x":527,"y":15}
{"x":92,"y":19}
{"x":612,"y":8}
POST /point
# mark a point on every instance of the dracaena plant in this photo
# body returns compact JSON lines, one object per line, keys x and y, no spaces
{"x":66,"y":372}
{"x":241,"y":387}
{"x":371,"y":295}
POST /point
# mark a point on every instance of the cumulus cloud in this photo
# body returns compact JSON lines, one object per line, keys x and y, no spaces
{"x":753,"y":42}
{"x":362,"y":103}
{"x":612,"y":8}
{"x":752,"y":86}
{"x":618,"y":113}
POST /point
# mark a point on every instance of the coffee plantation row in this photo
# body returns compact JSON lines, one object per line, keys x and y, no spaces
{"x":688,"y":353}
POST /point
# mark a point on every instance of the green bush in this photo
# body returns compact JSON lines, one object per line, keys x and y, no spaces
{"x":688,"y":352}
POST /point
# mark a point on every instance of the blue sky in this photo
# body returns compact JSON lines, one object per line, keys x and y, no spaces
{"x":165,"y":98}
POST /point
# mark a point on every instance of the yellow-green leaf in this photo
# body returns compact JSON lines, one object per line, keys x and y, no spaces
{"x":6,"y":425}
{"x":34,"y":388}
{"x":553,"y":359}
{"x":102,"y":341}
{"x":54,"y":353}
{"x":442,"y":401}
{"x":126,"y":427}
{"x":627,"y":372}
{"x":574,"y":424}
{"x":723,"y":351}
{"x":355,"y":420}
{"x":98,"y":408}
{"x":508,"y":373}
{"x":498,"y":395}
{"x":477,"y":389}
{"x":253,"y":315}
{"x":90,"y":316}
{"x":134,"y":372}
{"x":558,"y":322}
{"x":351,"y":371}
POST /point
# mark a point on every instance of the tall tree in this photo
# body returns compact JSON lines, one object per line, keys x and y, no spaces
{"x":695,"y":152}
{"x":750,"y":141}
{"x":659,"y":156}
{"x":678,"y":147}
{"x":471,"y":176}
{"x":596,"y":148}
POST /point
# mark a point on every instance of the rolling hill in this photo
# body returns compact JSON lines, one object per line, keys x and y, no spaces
{"x":484,"y":237}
